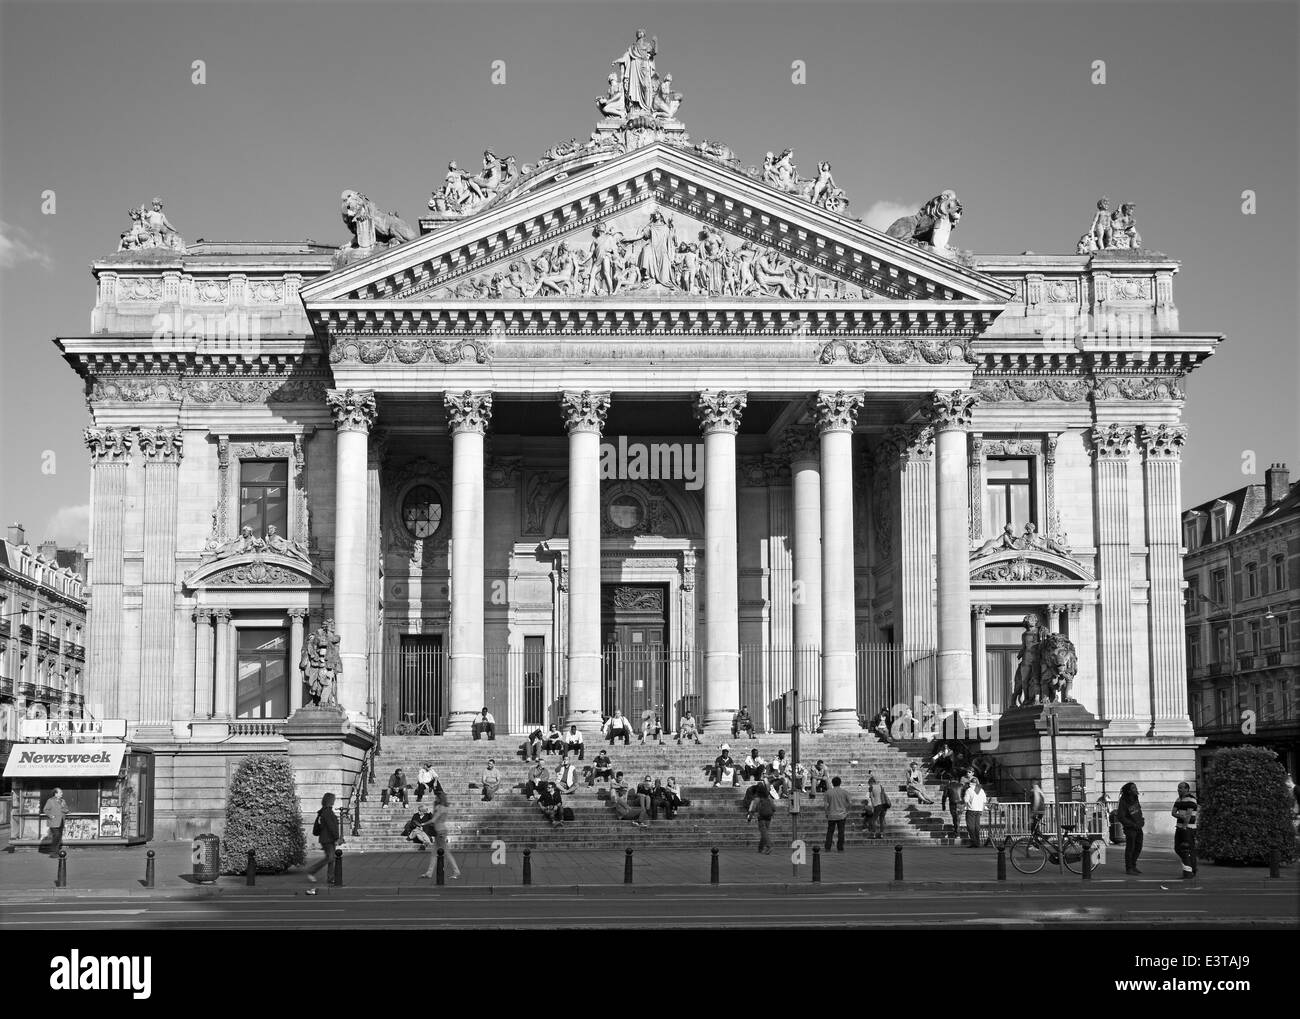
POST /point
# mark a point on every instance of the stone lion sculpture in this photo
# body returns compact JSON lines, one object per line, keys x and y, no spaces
{"x":932,"y":224}
{"x":369,"y":226}
{"x":1059,"y":664}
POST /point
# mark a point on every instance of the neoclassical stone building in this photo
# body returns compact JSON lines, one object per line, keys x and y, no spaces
{"x":635,"y":425}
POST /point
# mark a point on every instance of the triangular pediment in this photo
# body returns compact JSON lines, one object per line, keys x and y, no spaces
{"x":504,"y":253}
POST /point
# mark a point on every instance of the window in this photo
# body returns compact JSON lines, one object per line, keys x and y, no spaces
{"x":1194,"y":651}
{"x":1223,"y":646}
{"x":1252,"y":580}
{"x":1279,"y":573}
{"x":421,"y":511}
{"x":262,"y":690}
{"x":1189,"y":535}
{"x":1256,"y":637}
{"x":1220,"y":524}
{"x":1224,"y":715}
{"x":1220,"y":586}
{"x":1281,"y":632}
{"x":1194,"y":596}
{"x":264,"y":495}
{"x":1009,"y":496}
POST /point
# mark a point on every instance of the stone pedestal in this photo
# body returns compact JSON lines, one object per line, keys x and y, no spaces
{"x":326,"y":751}
{"x":1023,"y":748}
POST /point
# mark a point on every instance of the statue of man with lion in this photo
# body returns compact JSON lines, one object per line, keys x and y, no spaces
{"x":1048,"y":663}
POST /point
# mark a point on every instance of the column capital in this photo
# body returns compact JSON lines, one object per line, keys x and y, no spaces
{"x":298,"y":614}
{"x":221,"y":615}
{"x":1163,"y":442}
{"x":951,"y":410}
{"x":838,"y":411}
{"x":202,"y":614}
{"x":108,"y":445}
{"x":719,"y":410}
{"x":903,"y":443}
{"x":468,"y":411}
{"x":162,"y":445}
{"x":1055,"y":608}
{"x":353,"y":409}
{"x":980,"y":611}
{"x":1111,"y":442}
{"x":800,"y":443}
{"x":584,"y":411}
{"x":1075,"y":609}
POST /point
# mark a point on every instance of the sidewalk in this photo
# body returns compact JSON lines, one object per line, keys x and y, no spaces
{"x":26,"y":874}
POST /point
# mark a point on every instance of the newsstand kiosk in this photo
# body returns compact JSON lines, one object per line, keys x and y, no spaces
{"x":107,"y":783}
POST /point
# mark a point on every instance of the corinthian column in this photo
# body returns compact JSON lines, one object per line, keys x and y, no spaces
{"x":837,"y":413}
{"x":354,"y":415}
{"x":1110,"y":447}
{"x":584,"y":417}
{"x":468,"y":414}
{"x":950,"y":414}
{"x":804,"y":449}
{"x":162,"y":450}
{"x":1162,"y":448}
{"x":719,"y":416}
{"x":110,"y":455}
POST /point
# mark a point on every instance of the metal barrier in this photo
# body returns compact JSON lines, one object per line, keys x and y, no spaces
{"x":1012,"y":820}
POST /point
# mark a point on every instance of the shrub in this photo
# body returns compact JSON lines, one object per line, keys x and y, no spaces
{"x":262,"y":814}
{"x":1246,"y":811}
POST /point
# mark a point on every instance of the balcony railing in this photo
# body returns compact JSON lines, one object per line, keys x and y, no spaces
{"x":523,"y":688}
{"x":1273,"y":658}
{"x":47,"y":641}
{"x":25,"y":634}
{"x":257,"y":727}
{"x":4,"y":627}
{"x":75,"y":651}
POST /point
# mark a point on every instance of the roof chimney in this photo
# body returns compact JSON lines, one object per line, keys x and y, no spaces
{"x":1277,"y":483}
{"x":17,"y":536}
{"x":49,"y":548}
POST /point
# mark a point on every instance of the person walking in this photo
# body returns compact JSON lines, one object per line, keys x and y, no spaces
{"x":441,"y":833}
{"x":953,"y":803}
{"x":877,"y":807}
{"x":761,"y":806}
{"x":326,"y":829}
{"x":1131,"y":820}
{"x":976,"y":801}
{"x":56,"y":813}
{"x":837,"y":813}
{"x":1185,"y":813}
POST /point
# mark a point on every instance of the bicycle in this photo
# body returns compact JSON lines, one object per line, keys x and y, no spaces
{"x":412,"y":728}
{"x":1031,"y":853}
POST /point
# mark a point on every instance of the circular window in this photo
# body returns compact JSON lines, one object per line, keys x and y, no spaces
{"x":625,"y":512}
{"x":421,"y":511}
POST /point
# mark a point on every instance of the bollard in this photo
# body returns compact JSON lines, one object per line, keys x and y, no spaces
{"x":441,"y":875}
{"x":817,"y":864}
{"x":1002,"y":861}
{"x":338,"y":868}
{"x":528,"y":866}
{"x":627,"y":868}
{"x":713,"y":866}
{"x":61,"y":878}
{"x":250,"y":868}
{"x":148,"y":869}
{"x":1087,"y":860}
{"x":898,"y":863}
{"x":1274,"y":863}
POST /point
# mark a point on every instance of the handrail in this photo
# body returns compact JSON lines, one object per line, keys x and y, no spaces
{"x":365,"y":775}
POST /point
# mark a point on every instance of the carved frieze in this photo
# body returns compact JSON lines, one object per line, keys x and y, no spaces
{"x":353,"y":410}
{"x":584,"y":411}
{"x":139,"y":288}
{"x":895,"y":350}
{"x":1021,"y":570}
{"x":256,"y":573}
{"x":126,"y":390}
{"x":1031,"y":390}
{"x":1144,"y":388}
{"x":108,"y":445}
{"x":259,"y":390}
{"x":210,"y":291}
{"x":406,"y":348}
{"x":837,"y":411}
{"x":638,"y":599}
{"x":719,"y":410}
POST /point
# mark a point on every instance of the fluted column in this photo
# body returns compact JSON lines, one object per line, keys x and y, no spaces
{"x":468,"y":415}
{"x":1162,"y":448}
{"x":1054,"y":618}
{"x":950,"y":414}
{"x":224,"y":680}
{"x":296,"y":619}
{"x":1111,"y":446}
{"x":354,"y":414}
{"x":377,"y":451}
{"x":584,"y":418}
{"x":110,"y":455}
{"x":908,"y":454}
{"x":162,"y":449}
{"x":719,"y":416}
{"x":837,"y":413}
{"x":804,"y":448}
{"x":983,"y":695}
{"x":203,"y":704}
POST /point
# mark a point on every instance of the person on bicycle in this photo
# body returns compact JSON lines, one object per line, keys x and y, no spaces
{"x":1037,"y":807}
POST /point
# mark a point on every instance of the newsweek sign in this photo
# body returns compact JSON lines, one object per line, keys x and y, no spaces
{"x":69,"y":760}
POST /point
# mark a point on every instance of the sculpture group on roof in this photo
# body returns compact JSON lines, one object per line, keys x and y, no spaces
{"x":781,"y":173}
{"x":463,"y":192}
{"x":370,"y":227}
{"x":150,"y":229}
{"x":1111,"y":231}
{"x":635,"y":89}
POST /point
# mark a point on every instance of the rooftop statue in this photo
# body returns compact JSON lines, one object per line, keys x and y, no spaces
{"x":369,"y":227}
{"x":1111,"y":231}
{"x":781,"y":173}
{"x":932,"y":225}
{"x":150,"y":228}
{"x":637,"y":74}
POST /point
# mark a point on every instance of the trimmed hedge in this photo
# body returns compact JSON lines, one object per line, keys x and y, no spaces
{"x":262,"y":814}
{"x":1246,"y":811}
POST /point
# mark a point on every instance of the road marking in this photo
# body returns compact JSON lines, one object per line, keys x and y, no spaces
{"x":77,"y":912}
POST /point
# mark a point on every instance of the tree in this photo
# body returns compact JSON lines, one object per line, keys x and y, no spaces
{"x":1247,"y":811}
{"x":262,"y":814}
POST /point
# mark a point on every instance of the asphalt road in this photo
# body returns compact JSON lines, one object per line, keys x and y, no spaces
{"x":551,"y":909}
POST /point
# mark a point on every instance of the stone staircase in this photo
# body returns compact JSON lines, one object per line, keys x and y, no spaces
{"x":714,"y":818}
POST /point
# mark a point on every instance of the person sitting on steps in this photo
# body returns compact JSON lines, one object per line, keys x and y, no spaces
{"x":645,"y":793}
{"x":419,"y":829}
{"x":574,"y":743}
{"x":491,"y":780}
{"x":566,"y":776}
{"x":650,"y":726}
{"x":753,"y":765}
{"x":724,"y":768}
{"x":600,"y":768}
{"x":742,"y":723}
{"x":396,"y":788}
{"x":619,"y":726}
{"x":485,"y":723}
{"x":538,"y":777}
{"x":532,"y":748}
{"x":427,"y":777}
{"x":552,"y":805}
{"x":624,"y":809}
{"x":820,"y":778}
{"x":554,"y":741}
{"x":687,"y":729}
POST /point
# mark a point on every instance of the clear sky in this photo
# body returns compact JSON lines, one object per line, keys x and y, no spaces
{"x":994,"y":100}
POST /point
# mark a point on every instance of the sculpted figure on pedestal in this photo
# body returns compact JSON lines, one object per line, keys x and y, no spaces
{"x":134,"y":236}
{"x":321,"y":665}
{"x":150,"y":228}
{"x":496,"y":173}
{"x":281,"y":545}
{"x":369,"y":227}
{"x":666,"y":100}
{"x":1029,"y":672}
{"x":933,"y":224}
{"x":1111,"y":231}
{"x":613,"y":103}
{"x":1058,"y":663}
{"x":637,"y":71}
{"x":1007,"y":539}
